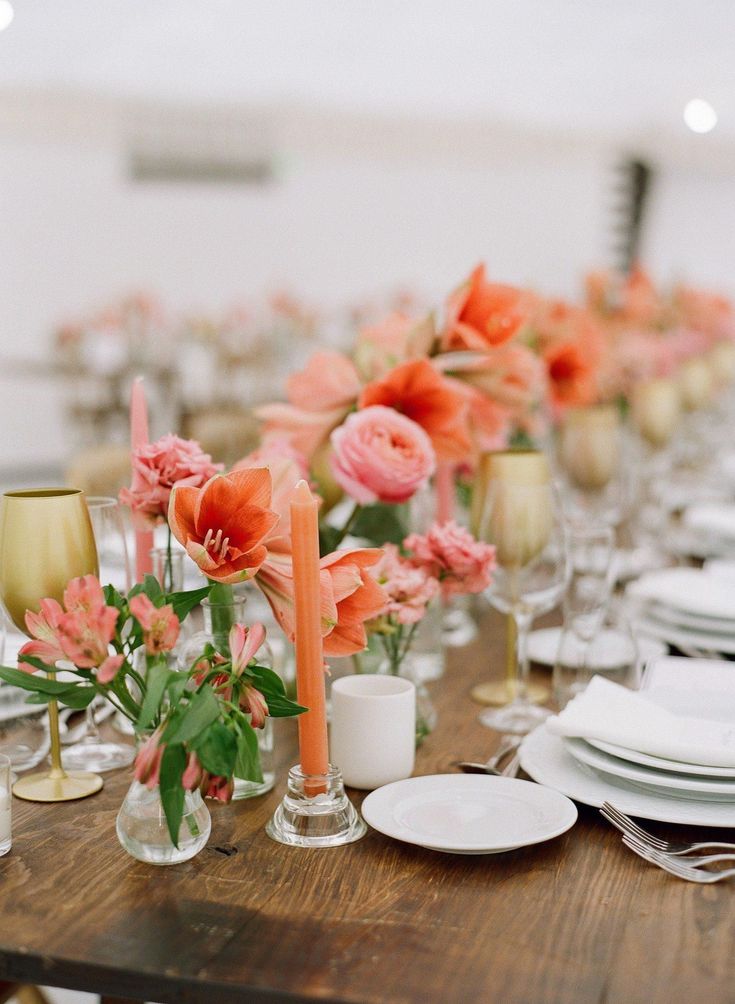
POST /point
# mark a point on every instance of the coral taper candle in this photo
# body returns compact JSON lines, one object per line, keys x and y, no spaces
{"x":139,"y":437}
{"x":444,"y":488}
{"x":310,"y":687}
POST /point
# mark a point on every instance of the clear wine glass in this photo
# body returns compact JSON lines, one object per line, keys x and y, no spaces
{"x":92,"y":752}
{"x":590,"y":584}
{"x":526,"y":524}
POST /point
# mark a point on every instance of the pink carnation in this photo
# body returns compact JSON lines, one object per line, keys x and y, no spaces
{"x":453,"y":556}
{"x":409,"y":588}
{"x":381,"y":455}
{"x":157,"y":468}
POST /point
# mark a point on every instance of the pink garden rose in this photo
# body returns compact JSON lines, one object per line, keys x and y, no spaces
{"x":409,"y":588}
{"x":452,"y":555}
{"x":381,"y":455}
{"x":160,"y":625}
{"x":157,"y":468}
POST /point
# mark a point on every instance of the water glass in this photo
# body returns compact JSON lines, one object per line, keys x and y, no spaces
{"x":613,"y":653}
{"x":590,"y":552}
{"x":5,"y":804}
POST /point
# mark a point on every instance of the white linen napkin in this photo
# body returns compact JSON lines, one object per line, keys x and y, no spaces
{"x":611,"y":713}
{"x":716,"y":519}
{"x":692,"y":590}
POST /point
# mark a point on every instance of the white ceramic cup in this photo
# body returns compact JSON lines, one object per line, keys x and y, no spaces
{"x":373,"y":738}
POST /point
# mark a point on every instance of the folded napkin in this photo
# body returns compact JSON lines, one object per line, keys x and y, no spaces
{"x":692,"y":590}
{"x":714,"y":518}
{"x":611,"y":713}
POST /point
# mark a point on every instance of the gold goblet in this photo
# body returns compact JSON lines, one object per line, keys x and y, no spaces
{"x":45,"y":539}
{"x":518,"y":525}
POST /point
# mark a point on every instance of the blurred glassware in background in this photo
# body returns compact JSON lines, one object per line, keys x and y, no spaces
{"x":91,"y":752}
{"x":612,"y":652}
{"x":590,"y":584}
{"x":595,"y":465}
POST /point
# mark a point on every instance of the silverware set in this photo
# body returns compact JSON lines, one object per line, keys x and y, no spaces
{"x":675,"y":857}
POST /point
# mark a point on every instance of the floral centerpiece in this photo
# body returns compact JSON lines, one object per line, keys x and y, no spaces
{"x":198,"y":724}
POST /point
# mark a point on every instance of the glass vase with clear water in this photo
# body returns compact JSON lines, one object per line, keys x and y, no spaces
{"x":217,"y":619}
{"x":143,"y":832}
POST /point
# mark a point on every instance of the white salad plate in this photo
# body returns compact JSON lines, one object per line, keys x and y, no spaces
{"x":468,"y":813}
{"x":666,"y":782}
{"x":543,"y":646}
{"x":545,"y":758}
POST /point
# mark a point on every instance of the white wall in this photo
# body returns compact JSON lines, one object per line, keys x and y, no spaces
{"x":361,"y":206}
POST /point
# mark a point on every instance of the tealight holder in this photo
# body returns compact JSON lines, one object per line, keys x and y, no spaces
{"x":315,"y":812}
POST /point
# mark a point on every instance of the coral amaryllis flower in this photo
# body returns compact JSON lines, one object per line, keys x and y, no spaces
{"x":481,"y":314}
{"x":160,"y":625}
{"x":223,"y":524}
{"x":572,"y":380}
{"x":319,"y":397}
{"x":349,"y":597}
{"x":418,"y":391}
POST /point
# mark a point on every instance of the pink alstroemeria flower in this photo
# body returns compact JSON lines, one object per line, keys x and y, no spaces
{"x":160,"y":625}
{"x":220,"y":788}
{"x":81,"y":633}
{"x":193,"y":773}
{"x":244,"y":643}
{"x":44,"y":627}
{"x":148,"y":761}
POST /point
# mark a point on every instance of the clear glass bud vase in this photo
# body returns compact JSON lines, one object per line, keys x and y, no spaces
{"x":143,"y":832}
{"x":217,"y":620}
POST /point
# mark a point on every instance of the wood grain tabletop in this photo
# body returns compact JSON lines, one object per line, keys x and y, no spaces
{"x":577,"y":919}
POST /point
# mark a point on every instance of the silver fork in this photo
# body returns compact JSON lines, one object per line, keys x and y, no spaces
{"x":673,"y":866}
{"x":695,"y":860}
{"x":626,"y":826}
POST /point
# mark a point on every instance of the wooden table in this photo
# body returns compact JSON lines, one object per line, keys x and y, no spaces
{"x":577,"y":919}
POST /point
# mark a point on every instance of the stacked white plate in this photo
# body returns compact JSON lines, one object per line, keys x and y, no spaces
{"x":653,"y":787}
{"x":686,"y":607}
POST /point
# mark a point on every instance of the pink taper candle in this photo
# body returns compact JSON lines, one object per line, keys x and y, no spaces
{"x":444,"y":488}
{"x":139,"y":437}
{"x":310,"y":688}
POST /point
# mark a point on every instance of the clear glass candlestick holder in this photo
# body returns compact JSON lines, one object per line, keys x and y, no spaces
{"x":315,"y":812}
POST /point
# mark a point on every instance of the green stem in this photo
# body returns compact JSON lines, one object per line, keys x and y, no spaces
{"x":348,"y":525}
{"x":223,"y":616}
{"x":169,"y":570}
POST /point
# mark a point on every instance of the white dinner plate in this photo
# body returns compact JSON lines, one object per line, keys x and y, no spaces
{"x":707,"y":641}
{"x":468,"y":813}
{"x":695,"y":622}
{"x":543,"y":646}
{"x":666,"y":782}
{"x":547,"y":761}
{"x":658,"y":763}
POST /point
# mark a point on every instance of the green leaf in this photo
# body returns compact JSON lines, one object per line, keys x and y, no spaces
{"x":177,"y":684}
{"x":113,"y":598}
{"x":328,"y":539}
{"x":29,"y":681}
{"x":271,"y":687}
{"x":152,"y":589}
{"x":381,"y":524}
{"x":75,"y":696}
{"x":247,"y":765}
{"x":156,"y":682}
{"x":217,"y":749}
{"x":194,"y":718}
{"x":183,"y":603}
{"x":173,"y":763}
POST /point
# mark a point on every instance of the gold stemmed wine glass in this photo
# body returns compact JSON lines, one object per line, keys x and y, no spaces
{"x":45,"y":539}
{"x":516,"y":509}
